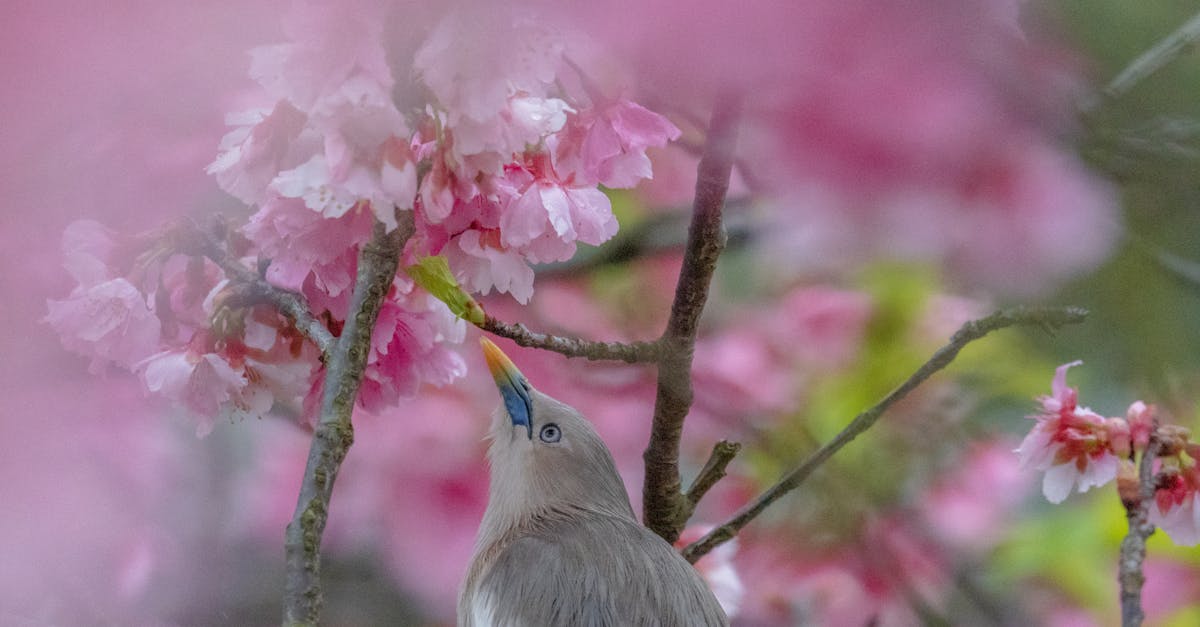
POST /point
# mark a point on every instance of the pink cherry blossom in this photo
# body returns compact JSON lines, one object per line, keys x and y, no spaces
{"x":1174,"y":508}
{"x":266,"y":143}
{"x":481,"y":263}
{"x":88,"y":248}
{"x":202,"y":383}
{"x":1071,"y":444}
{"x":108,"y":322}
{"x":301,"y":243}
{"x":485,"y":147}
{"x":407,"y":349}
{"x":607,"y":143}
{"x":547,"y":214}
{"x":476,"y":59}
{"x":335,"y":138}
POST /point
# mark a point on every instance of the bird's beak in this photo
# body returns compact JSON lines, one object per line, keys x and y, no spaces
{"x":514,"y":388}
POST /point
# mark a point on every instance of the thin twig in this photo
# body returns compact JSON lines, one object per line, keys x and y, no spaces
{"x":1158,"y":56}
{"x":630,"y":352}
{"x":1049,"y":318}
{"x":713,"y":471}
{"x":662,"y":498}
{"x":1133,"y":548}
{"x":255,"y":287}
{"x":377,"y":263}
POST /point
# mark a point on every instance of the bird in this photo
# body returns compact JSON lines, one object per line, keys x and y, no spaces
{"x":559,"y":543}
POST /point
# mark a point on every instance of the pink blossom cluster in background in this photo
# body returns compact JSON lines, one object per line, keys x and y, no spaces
{"x":1074,"y":445}
{"x":510,"y":161}
{"x":929,"y":131}
{"x":926,"y":130}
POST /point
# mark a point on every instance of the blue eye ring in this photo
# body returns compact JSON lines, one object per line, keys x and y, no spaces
{"x":550,"y":433}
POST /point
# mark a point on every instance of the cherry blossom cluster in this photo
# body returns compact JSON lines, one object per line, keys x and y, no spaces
{"x":1075,"y":446}
{"x":474,"y":135}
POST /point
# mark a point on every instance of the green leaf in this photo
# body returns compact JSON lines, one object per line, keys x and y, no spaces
{"x":433,"y":274}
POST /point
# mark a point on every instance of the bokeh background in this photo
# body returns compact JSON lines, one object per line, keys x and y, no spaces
{"x":904,"y":167}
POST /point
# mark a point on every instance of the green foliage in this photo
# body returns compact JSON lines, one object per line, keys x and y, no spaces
{"x":1071,"y":547}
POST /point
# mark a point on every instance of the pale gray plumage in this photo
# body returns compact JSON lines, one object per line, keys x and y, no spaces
{"x":559,"y":544}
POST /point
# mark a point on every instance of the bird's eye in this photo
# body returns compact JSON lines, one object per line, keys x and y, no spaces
{"x":550,"y":433}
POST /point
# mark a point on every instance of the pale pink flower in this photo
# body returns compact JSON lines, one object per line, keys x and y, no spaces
{"x":187,"y":286}
{"x":265,"y":143}
{"x":546,"y":215}
{"x":443,"y":190}
{"x":333,"y":195}
{"x":108,"y":322}
{"x":480,"y":263}
{"x":1174,"y":508}
{"x":211,"y":377}
{"x":204,"y":384}
{"x":607,"y":143}
{"x":1072,"y":444}
{"x":301,"y":243}
{"x":330,"y":47}
{"x":486,"y":146}
{"x":476,"y":59}
{"x":337,"y":138}
{"x":87,"y":248}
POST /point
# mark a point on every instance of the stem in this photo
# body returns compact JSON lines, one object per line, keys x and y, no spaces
{"x":256,"y":288}
{"x":1158,"y":56}
{"x":662,"y":498}
{"x":632,"y":352}
{"x":1133,"y":548}
{"x":1049,"y":318}
{"x":377,"y":263}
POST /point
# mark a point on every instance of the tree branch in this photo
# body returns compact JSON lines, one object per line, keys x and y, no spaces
{"x":377,"y":263}
{"x":1133,"y":548}
{"x":632,"y":352}
{"x":662,"y":498}
{"x":1171,"y":47}
{"x":256,"y":288}
{"x":713,"y":471}
{"x":1048,"y":318}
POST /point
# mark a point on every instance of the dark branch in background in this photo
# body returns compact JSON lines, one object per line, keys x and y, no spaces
{"x":1048,"y":318}
{"x":1173,"y":46}
{"x":656,"y":234}
{"x":253,"y":288}
{"x":377,"y":263}
{"x":1133,"y":548}
{"x":632,"y":352}
{"x":662,"y":498}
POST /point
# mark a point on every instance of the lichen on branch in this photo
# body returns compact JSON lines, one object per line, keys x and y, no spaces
{"x":334,"y":432}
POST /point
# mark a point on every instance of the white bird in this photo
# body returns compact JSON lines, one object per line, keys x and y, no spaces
{"x":559,"y":543}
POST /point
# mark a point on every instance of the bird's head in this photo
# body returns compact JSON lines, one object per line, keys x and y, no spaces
{"x":545,"y":456}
